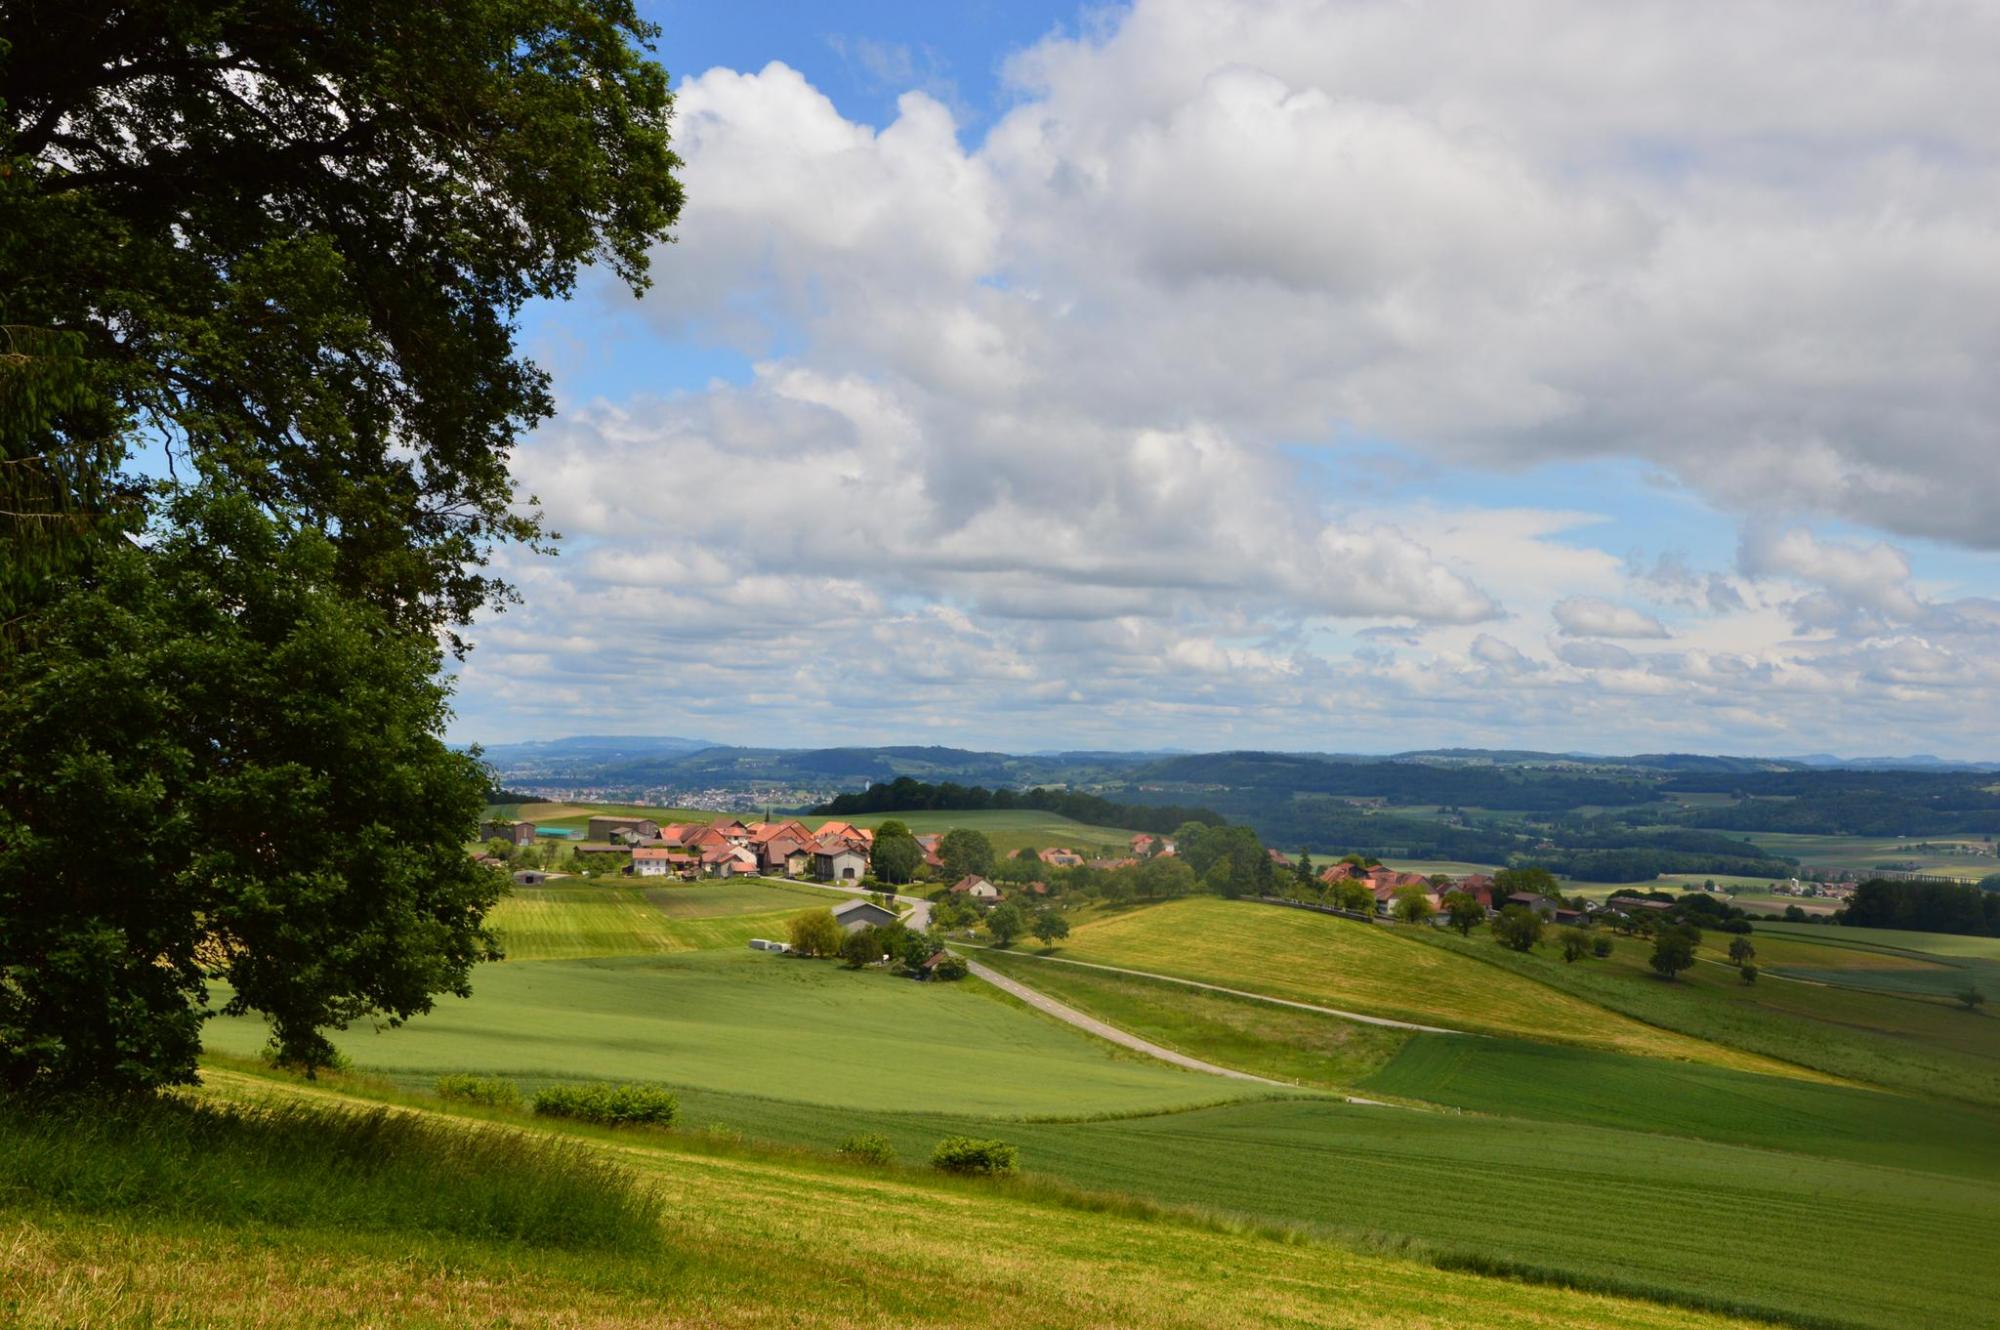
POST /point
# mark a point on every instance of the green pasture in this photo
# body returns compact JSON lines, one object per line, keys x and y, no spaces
{"x":576,"y":817}
{"x":1853,"y":958}
{"x":759,"y":1024}
{"x":1934,"y":944}
{"x":1283,"y":1043}
{"x":738,"y":1237}
{"x":1369,"y":968}
{"x":1554,"y":1083}
{"x":1642,"y":1211}
{"x":569,"y":918}
{"x":1864,"y":853}
{"x":1009,"y":829}
{"x":1924,"y":1047}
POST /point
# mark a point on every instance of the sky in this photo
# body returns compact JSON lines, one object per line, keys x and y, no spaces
{"x":1353,"y":375}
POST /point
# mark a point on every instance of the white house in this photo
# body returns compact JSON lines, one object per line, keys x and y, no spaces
{"x":656,"y":861}
{"x":976,"y":887}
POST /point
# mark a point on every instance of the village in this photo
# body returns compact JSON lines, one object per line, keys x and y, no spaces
{"x":841,"y":854}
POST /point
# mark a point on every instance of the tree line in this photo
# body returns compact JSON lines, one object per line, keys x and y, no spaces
{"x":906,"y":794}
{"x":1925,"y":907}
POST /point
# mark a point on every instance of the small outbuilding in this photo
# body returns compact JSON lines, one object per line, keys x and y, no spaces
{"x":857,"y":915}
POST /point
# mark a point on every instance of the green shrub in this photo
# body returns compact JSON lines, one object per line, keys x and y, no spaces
{"x":967,"y":1154}
{"x":488,"y":1090}
{"x":609,"y":1105}
{"x":951,"y":967}
{"x":869,"y":1147}
{"x":291,"y":1165}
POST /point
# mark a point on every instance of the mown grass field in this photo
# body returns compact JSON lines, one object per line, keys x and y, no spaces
{"x":1565,"y":1164}
{"x":1924,"y":1047}
{"x":1552,"y":1083}
{"x":1721,"y":1223}
{"x":570,"y":918}
{"x":1283,"y":1043}
{"x":1635,"y":1209}
{"x":1010,"y":829}
{"x":1863,"y":853}
{"x":759,"y":1024}
{"x":1933,"y":944}
{"x":1920,"y":965}
{"x":752,"y":1240}
{"x":1367,"y":968}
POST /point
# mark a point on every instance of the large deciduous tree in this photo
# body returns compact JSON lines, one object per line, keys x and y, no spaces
{"x":276,"y":249}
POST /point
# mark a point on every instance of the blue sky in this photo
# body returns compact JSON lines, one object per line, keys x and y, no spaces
{"x":1321,"y":376}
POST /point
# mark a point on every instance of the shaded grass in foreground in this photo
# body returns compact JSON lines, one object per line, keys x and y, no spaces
{"x":295,"y":1165}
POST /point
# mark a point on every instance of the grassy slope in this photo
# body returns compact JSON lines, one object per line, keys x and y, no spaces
{"x":1551,"y":1083}
{"x":1302,"y":1047}
{"x":1642,"y":1213}
{"x":1932,"y":944}
{"x":571,"y":918}
{"x":1520,"y":1078}
{"x":1745,"y":1224}
{"x":765,"y":1025}
{"x":1011,"y":829}
{"x":1638,"y":1210}
{"x":1341,"y":963}
{"x":1922,"y":1047}
{"x":761,"y":1241}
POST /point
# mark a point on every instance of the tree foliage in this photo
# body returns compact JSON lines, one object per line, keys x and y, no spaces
{"x":286,"y":244}
{"x":292,"y":238}
{"x":1518,"y":928}
{"x":1673,"y":950}
{"x":815,"y":933}
{"x":895,"y":855}
{"x":217,"y":765}
{"x":907,"y":794}
{"x":1006,"y":922}
{"x":965,"y":852}
{"x":1464,"y":911}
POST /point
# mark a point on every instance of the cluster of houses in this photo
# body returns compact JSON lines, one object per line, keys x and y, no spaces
{"x":1143,"y":847}
{"x":833,"y":852}
{"x":1386,"y":884}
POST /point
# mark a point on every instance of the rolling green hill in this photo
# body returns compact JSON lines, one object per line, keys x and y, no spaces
{"x":744,"y":1239}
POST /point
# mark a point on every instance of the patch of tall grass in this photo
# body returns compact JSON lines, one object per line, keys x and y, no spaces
{"x":299,"y":1165}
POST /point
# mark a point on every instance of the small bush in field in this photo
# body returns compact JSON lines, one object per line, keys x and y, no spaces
{"x":869,"y":1147}
{"x":488,"y":1090}
{"x":608,"y":1105}
{"x":969,"y":1155}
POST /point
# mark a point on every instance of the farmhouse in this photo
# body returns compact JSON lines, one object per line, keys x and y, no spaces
{"x":659,"y":861}
{"x":726,"y":860}
{"x":607,"y":828}
{"x":514,"y":833}
{"x":835,"y":860}
{"x":857,"y":915}
{"x":1534,"y":903}
{"x":976,"y":888}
